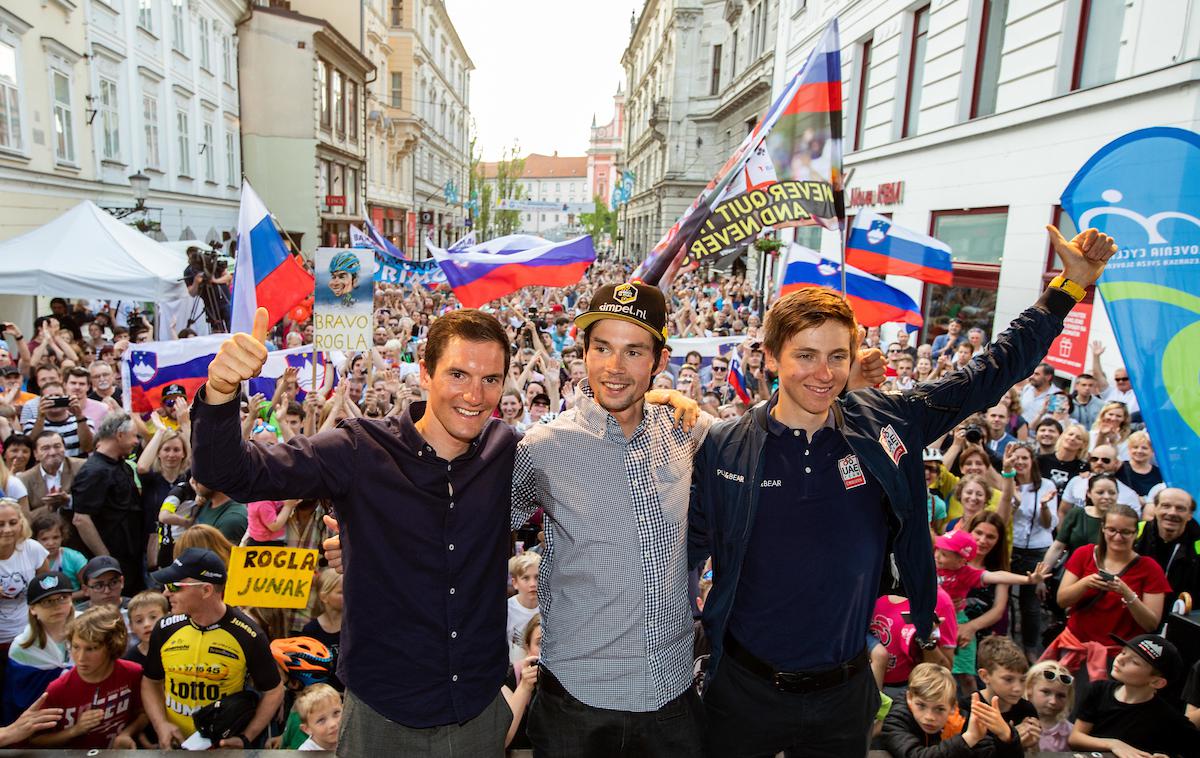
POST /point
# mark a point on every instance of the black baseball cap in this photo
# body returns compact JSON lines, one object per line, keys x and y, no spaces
{"x":174,"y":389}
{"x":635,"y":302}
{"x":101,"y":564}
{"x":1158,"y":652}
{"x":45,"y":585}
{"x":196,"y":563}
{"x":540,"y":398}
{"x":10,"y":370}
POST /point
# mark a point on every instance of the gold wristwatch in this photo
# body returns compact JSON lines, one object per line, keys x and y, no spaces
{"x":1069,"y":287}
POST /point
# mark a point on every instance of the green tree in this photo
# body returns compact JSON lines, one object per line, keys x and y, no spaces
{"x":600,"y":222}
{"x":509,"y":187}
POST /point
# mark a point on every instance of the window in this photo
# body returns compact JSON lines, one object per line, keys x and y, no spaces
{"x":714,"y":86}
{"x":974,"y":236}
{"x":185,"y":143}
{"x":352,"y":109}
{"x":397,"y":90}
{"x":231,"y":172}
{"x":864,"y":88}
{"x":810,"y":236}
{"x":916,"y":72}
{"x":755,"y":50}
{"x":10,"y":99}
{"x":326,"y":176}
{"x":210,"y":160}
{"x":110,"y":124}
{"x":150,"y":130}
{"x":146,"y":15}
{"x":337,"y":182}
{"x":339,"y":104}
{"x":179,"y":25}
{"x":1098,"y":43}
{"x":64,"y":133}
{"x":352,"y":191}
{"x":733,"y":57}
{"x":397,"y":14}
{"x":987,"y":63}
{"x":227,"y":59}
{"x":323,"y":82}
{"x":205,"y":61}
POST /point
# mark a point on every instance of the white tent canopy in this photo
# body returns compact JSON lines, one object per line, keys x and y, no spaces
{"x":86,"y":253}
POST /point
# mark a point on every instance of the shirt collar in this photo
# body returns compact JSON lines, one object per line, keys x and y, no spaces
{"x":56,"y":475}
{"x":777,"y":428}
{"x":593,"y":417}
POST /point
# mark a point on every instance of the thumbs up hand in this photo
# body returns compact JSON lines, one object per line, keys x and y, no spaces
{"x":241,"y":357}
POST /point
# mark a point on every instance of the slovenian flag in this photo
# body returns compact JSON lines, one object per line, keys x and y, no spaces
{"x":881,"y":247}
{"x":485,"y":272}
{"x":874,"y":301}
{"x":147,"y":368}
{"x":381,"y":243}
{"x":736,"y":380}
{"x":266,"y":275}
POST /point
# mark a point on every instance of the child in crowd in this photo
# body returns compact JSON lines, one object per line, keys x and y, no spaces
{"x":145,"y":610}
{"x":302,"y":662}
{"x":1051,"y":689}
{"x":39,"y":654}
{"x":101,"y":697}
{"x":898,"y":653}
{"x":522,"y":606}
{"x":320,"y":711}
{"x":266,"y":522}
{"x":953,"y":551}
{"x":521,"y":682}
{"x":326,"y":626}
{"x":1002,"y":666}
{"x":1126,"y":715}
{"x":916,"y":726}
{"x":50,"y":530}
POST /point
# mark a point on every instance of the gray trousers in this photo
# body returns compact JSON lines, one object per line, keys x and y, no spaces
{"x":366,"y":733}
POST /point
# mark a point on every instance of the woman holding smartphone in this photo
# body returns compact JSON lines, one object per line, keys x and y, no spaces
{"x":1108,"y":589}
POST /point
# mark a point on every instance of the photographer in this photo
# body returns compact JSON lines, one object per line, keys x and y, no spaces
{"x":59,"y":412}
{"x":208,"y":277}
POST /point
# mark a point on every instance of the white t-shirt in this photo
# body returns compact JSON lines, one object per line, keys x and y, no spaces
{"x":518,"y":619}
{"x":1112,"y":394}
{"x":1075,"y":493}
{"x":15,"y":488}
{"x":16,"y":573}
{"x":310,"y":744}
{"x":1028,"y":531}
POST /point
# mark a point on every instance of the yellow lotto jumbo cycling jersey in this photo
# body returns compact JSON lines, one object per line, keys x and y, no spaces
{"x":199,"y":665}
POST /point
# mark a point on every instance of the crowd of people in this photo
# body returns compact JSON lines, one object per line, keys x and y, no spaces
{"x":677,"y":532}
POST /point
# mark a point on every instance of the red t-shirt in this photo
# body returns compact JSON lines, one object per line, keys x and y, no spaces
{"x":120,"y":695}
{"x":1108,"y":613}
{"x":959,"y":582}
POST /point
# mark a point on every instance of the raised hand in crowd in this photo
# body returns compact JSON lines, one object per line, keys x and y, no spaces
{"x":240,"y":359}
{"x":35,"y":719}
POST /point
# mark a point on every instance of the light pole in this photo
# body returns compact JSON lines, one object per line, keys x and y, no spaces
{"x":140,"y":184}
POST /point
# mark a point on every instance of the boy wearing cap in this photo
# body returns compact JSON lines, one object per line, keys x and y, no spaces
{"x":1126,"y":715}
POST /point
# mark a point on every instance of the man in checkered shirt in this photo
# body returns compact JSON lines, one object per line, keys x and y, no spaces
{"x":613,"y":474}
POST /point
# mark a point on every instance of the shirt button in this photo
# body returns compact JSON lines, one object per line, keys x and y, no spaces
{"x":420,"y":453}
{"x":451,"y":546}
{"x":795,"y":432}
{"x":447,"y":466}
{"x":807,"y":470}
{"x":453,"y":635}
{"x":451,"y":590}
{"x":454,"y":678}
{"x":451,"y":506}
{"x":806,"y":452}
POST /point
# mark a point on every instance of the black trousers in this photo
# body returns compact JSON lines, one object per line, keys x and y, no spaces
{"x":560,"y":726}
{"x":749,"y":717}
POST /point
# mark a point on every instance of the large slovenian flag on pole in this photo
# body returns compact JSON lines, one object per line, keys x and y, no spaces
{"x":266,"y":275}
{"x":482,"y":273}
{"x":787,"y":172}
{"x":881,"y":247}
{"x":381,"y":243}
{"x":874,"y":301}
{"x":147,"y":369}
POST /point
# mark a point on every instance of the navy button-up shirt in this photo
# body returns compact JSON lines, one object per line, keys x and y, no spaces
{"x":425,"y":543}
{"x":813,"y":563}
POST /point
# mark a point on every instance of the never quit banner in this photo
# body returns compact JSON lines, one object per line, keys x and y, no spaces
{"x":1143,"y":189}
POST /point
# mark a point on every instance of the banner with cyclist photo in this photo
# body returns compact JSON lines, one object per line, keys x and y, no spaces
{"x":344,"y":298}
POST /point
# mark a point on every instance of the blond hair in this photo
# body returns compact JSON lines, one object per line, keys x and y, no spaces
{"x":1035,"y":675}
{"x":100,"y":625}
{"x":149,"y":598}
{"x":169,"y":435}
{"x":26,"y":532}
{"x":519,"y":564}
{"x":311,"y":697}
{"x":932,"y":682}
{"x":207,"y":537}
{"x":1083,"y":449}
{"x":327,"y":581}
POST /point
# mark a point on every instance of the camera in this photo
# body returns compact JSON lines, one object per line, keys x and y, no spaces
{"x":62,"y":401}
{"x":973,"y":433}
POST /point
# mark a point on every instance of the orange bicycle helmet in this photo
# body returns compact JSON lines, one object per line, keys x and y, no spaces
{"x":306,"y":660}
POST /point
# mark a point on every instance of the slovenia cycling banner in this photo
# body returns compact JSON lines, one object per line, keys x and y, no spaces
{"x":1144,"y":190}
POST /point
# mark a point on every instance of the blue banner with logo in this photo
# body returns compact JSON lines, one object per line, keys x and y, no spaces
{"x":1144,"y":190}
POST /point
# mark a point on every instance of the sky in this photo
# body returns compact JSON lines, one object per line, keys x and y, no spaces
{"x":542,"y":69}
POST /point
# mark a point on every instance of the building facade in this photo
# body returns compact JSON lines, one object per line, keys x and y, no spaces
{"x":604,"y":150}
{"x":556,"y":190}
{"x":967,"y":118}
{"x":94,"y":92}
{"x":303,"y":129}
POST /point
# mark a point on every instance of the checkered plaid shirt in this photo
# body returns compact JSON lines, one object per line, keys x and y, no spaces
{"x":616,"y":620}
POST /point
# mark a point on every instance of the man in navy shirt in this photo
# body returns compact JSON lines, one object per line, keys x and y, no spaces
{"x":426,"y":494}
{"x":796,"y":501}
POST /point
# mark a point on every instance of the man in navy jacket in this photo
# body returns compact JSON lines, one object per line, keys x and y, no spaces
{"x":799,"y":501}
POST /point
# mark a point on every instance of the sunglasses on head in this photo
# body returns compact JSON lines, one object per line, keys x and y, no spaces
{"x":1050,"y":675}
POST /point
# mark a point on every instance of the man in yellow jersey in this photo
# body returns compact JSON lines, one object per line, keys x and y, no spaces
{"x":203,"y":652}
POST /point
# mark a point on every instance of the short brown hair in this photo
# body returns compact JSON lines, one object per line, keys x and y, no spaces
{"x":1001,"y":652}
{"x":932,"y":682}
{"x":807,"y":308}
{"x":465,"y":324}
{"x":100,"y":625}
{"x":148,"y":599}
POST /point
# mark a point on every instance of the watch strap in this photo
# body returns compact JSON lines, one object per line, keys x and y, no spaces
{"x":1071,"y":288}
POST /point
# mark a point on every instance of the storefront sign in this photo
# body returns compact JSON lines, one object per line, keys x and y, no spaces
{"x":270,"y":577}
{"x":888,"y":193}
{"x":335,"y":201}
{"x":1069,"y":350}
{"x":411,"y":232}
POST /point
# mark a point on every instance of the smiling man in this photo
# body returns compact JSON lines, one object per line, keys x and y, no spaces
{"x":1172,"y":539}
{"x":422,"y":500}
{"x":791,"y":597}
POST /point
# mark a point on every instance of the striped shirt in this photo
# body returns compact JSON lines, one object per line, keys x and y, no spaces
{"x":612,"y":586}
{"x":68,"y":430}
